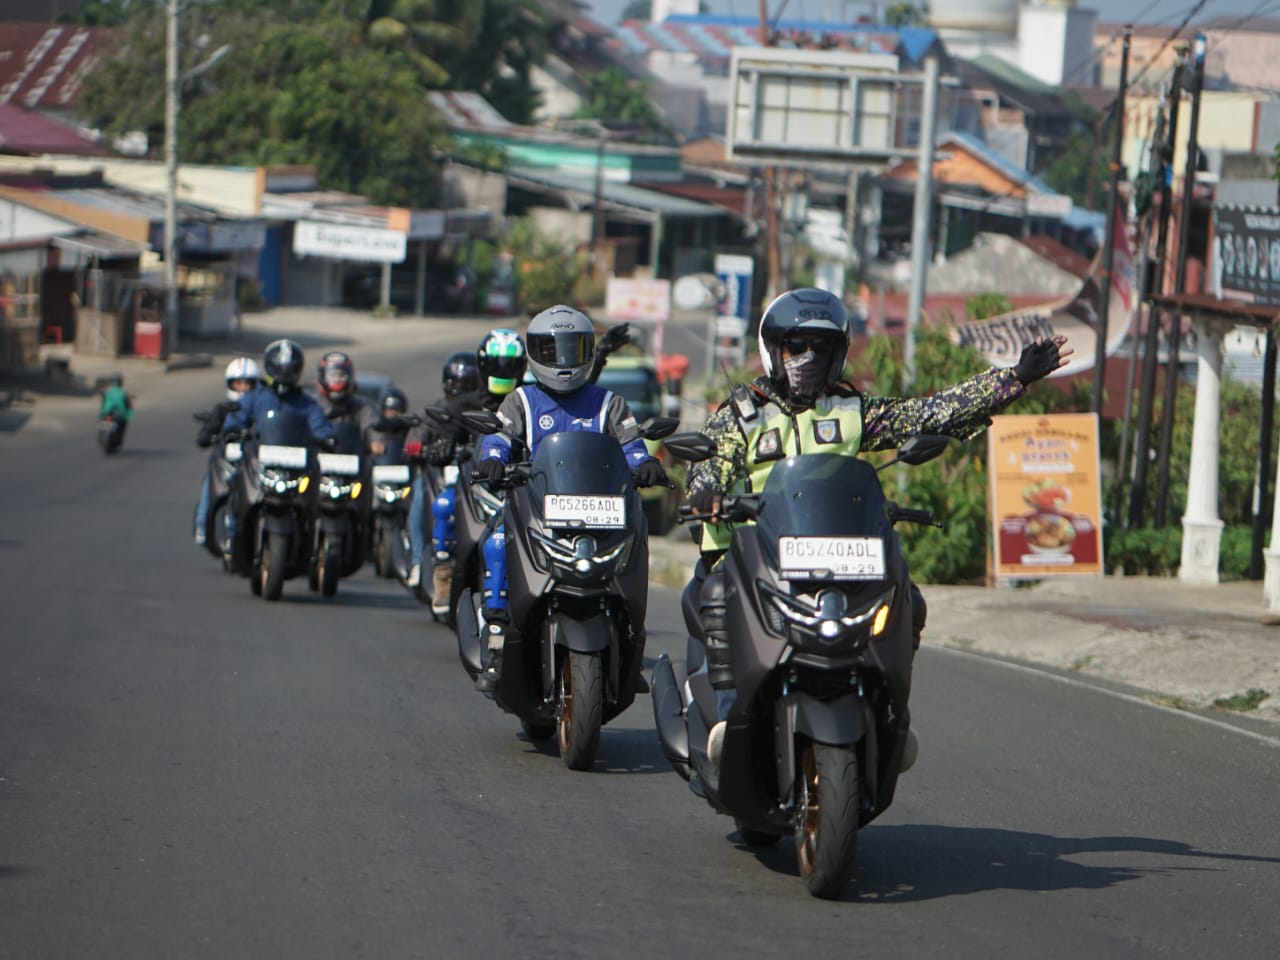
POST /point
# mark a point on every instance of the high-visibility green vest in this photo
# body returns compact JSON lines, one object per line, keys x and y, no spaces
{"x":832,"y":425}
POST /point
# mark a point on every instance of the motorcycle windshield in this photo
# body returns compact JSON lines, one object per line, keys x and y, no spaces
{"x":579,"y":462}
{"x":285,"y":427}
{"x":825,"y":516}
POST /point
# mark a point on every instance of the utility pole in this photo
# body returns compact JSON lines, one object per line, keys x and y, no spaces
{"x":771,"y":239}
{"x":1179,"y":286}
{"x":1109,"y":243}
{"x":1151,"y":345}
{"x":597,"y":215}
{"x":921,"y":218}
{"x":170,"y":340}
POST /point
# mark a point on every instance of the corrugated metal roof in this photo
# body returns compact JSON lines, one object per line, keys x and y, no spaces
{"x":101,"y":245}
{"x":25,"y":131}
{"x":43,"y":66}
{"x":1017,"y":174}
{"x":617,"y":194}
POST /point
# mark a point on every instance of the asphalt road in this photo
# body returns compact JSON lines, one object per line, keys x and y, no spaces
{"x":188,"y":771}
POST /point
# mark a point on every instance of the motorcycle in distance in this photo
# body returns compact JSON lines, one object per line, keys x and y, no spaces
{"x":340,"y":533}
{"x":110,"y":433}
{"x":578,"y":587}
{"x":273,"y":499}
{"x":821,"y":655}
{"x":224,"y":458}
{"x":389,"y":528}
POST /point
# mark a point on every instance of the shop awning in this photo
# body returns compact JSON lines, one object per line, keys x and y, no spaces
{"x":104,"y":246}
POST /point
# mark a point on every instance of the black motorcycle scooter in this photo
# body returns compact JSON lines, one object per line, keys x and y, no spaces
{"x":273,"y":499}
{"x":343,"y":510}
{"x":224,"y":459}
{"x":819,"y":617}
{"x":578,"y":584}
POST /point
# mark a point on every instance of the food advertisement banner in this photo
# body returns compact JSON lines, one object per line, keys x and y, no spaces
{"x":1046,"y":495}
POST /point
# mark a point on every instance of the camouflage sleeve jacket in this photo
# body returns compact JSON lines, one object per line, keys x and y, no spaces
{"x":962,"y":410}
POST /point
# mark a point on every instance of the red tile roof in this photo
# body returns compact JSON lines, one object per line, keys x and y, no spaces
{"x":42,"y":66}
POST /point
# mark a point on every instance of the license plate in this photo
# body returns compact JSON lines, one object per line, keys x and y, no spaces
{"x":339,"y":464}
{"x":844,"y":558}
{"x":450,"y":474}
{"x":391,"y":473}
{"x":581,"y":510}
{"x":272,"y":455}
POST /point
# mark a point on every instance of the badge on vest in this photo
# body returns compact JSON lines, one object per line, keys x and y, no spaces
{"x":827,"y":431}
{"x":769,"y":445}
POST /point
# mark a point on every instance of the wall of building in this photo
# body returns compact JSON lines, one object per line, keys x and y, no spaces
{"x":20,"y":222}
{"x":1053,"y":41}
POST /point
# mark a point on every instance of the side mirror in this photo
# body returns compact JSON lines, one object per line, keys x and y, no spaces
{"x":692,"y":446}
{"x":655,"y":428}
{"x":480,"y":421}
{"x":437,"y":414}
{"x":202,"y":416}
{"x":920,"y":449}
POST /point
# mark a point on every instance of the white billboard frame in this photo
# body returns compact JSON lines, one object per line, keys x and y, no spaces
{"x":814,"y":108}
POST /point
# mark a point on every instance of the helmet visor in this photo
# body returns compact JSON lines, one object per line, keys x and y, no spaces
{"x":563,"y":351}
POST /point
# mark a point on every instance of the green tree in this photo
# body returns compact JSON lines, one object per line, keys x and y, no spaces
{"x":906,"y":15}
{"x":616,"y":97}
{"x":1081,"y":171}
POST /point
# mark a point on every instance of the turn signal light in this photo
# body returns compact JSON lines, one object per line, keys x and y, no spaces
{"x":355,"y":490}
{"x":303,"y":484}
{"x":880,"y":621}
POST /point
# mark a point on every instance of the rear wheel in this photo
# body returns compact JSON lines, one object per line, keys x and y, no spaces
{"x":580,"y":702}
{"x":538,"y":731}
{"x":275,"y":558}
{"x":827,"y":818}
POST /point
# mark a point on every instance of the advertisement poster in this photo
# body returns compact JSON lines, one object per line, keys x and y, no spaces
{"x":1245,"y":259}
{"x":1046,"y":495}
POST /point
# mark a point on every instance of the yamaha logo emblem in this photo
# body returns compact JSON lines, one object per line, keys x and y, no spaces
{"x":546,"y":422}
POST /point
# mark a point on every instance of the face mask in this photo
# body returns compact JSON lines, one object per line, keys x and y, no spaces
{"x":805,"y":375}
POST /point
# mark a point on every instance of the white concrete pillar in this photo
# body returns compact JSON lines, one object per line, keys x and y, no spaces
{"x":1271,"y":555}
{"x":1201,"y":525}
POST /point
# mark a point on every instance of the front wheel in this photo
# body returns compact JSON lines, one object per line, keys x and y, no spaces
{"x":330,"y":566}
{"x":580,"y":702}
{"x":827,"y":817}
{"x":275,"y":558}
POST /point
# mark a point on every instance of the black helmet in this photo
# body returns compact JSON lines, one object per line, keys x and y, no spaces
{"x":282,"y":364}
{"x":394,"y":401}
{"x":337,"y":375}
{"x":562,"y":344}
{"x":502,"y":361}
{"x":460,"y":374}
{"x":810,"y":321}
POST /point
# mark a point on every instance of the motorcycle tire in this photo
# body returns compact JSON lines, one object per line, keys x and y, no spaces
{"x":275,"y":558}
{"x":330,"y":567}
{"x":383,"y":562}
{"x":579,"y":705}
{"x":826,"y":831}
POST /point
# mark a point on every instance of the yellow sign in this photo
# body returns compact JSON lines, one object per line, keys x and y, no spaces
{"x":1046,"y":495}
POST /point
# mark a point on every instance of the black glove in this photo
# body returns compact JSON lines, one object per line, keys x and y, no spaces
{"x":1038,"y":360}
{"x":704,"y":500}
{"x":491,"y":470}
{"x":329,"y":444}
{"x":439,"y":452}
{"x":613,"y":338}
{"x":650,"y":474}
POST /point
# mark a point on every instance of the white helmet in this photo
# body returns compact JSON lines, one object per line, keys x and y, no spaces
{"x":561,"y":344}
{"x":241,"y":368}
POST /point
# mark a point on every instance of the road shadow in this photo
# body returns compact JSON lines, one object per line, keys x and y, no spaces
{"x":11,"y":421}
{"x":621,"y":751}
{"x":917,"y":862}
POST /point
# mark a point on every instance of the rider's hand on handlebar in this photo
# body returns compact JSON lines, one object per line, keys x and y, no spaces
{"x":490,"y":470}
{"x":706,"y":501}
{"x":650,"y":474}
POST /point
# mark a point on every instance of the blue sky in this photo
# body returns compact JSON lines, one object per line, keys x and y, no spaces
{"x":1168,"y":12}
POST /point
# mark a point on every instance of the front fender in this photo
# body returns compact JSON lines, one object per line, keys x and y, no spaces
{"x":596,"y":634}
{"x":841,"y":722}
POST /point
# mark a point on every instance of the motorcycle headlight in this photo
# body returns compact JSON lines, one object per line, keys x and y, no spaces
{"x":580,"y":556}
{"x":825,"y":619}
{"x":280,"y":481}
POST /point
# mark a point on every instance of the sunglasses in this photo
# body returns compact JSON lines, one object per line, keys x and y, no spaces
{"x":796,"y":344}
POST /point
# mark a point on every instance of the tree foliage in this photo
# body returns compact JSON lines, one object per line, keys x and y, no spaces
{"x":616,"y":97}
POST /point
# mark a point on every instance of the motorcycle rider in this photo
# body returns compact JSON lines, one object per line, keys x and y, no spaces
{"x":116,"y":403}
{"x":562,"y":357}
{"x":801,"y":404}
{"x":241,"y":376}
{"x":478,"y":381}
{"x":282,"y":365}
{"x":336,"y":378}
{"x":388,"y":432}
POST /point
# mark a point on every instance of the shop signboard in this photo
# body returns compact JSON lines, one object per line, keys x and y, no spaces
{"x":1046,"y":495}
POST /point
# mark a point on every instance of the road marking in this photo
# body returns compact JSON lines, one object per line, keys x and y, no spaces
{"x":1131,"y":698}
